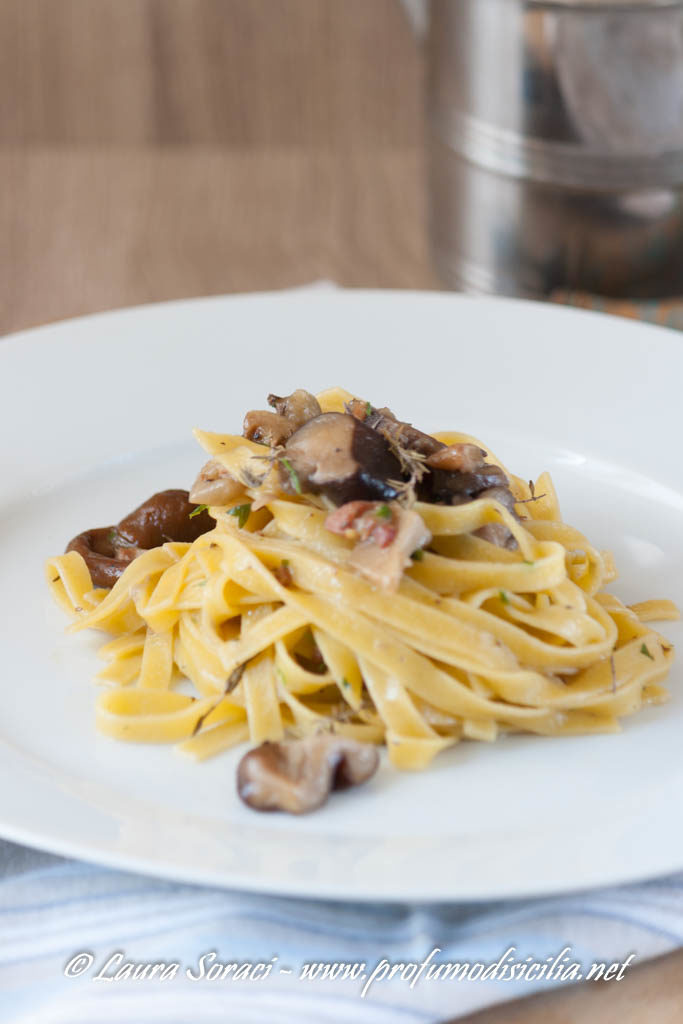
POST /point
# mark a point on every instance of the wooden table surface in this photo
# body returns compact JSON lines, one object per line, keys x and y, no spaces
{"x":154,"y":149}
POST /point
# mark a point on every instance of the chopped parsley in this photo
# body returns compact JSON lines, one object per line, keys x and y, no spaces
{"x":527,"y":562}
{"x":384,"y":512}
{"x":644,"y":650}
{"x":293,"y":475}
{"x":418,"y":555}
{"x":504,"y":598}
{"x":368,"y":409}
{"x":198,"y":510}
{"x":242,"y":513}
{"x":345,"y":682}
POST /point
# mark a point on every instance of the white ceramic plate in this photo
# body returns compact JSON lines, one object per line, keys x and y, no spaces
{"x":97,"y":414}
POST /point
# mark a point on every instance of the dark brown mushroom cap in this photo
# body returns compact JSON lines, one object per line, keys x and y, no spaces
{"x":398,"y":432}
{"x":339,"y":456}
{"x":99,"y":549}
{"x":108,"y":550}
{"x":450,"y":487}
{"x":164,"y":516}
{"x":297,"y":776}
{"x":450,"y":474}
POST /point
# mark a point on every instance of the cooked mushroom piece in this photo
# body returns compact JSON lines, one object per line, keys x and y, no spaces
{"x":215,"y":486}
{"x":503,"y":495}
{"x":103,"y":553}
{"x":465,"y":458}
{"x":338,"y":456}
{"x":165,"y":516}
{"x":402,"y":435}
{"x":498,"y":533}
{"x":265,"y":427}
{"x":291,"y":412}
{"x":449,"y":487}
{"x":297,"y":776}
{"x":449,"y":474}
{"x":299,"y":407}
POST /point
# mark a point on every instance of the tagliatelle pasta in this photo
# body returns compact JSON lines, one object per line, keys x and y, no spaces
{"x":262,"y":626}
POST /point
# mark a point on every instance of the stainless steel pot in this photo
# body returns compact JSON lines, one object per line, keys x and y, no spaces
{"x":556,"y":145}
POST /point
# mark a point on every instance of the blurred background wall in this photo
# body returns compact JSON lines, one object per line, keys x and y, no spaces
{"x":155,"y":149}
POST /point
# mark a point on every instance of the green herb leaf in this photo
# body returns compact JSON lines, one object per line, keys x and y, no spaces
{"x":242,"y":513}
{"x":198,"y":511}
{"x":293,"y":475}
{"x":418,"y":555}
{"x":504,"y":598}
{"x":644,"y":650}
{"x":368,"y":409}
{"x":285,"y":563}
{"x":527,"y":562}
{"x":345,"y":682}
{"x":384,"y":512}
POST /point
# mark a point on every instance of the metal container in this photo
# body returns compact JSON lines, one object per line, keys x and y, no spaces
{"x":556,"y":145}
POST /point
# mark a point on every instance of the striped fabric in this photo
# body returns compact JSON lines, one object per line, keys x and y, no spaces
{"x":53,"y":909}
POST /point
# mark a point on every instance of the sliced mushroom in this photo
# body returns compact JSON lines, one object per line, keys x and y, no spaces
{"x":503,"y":495}
{"x":465,"y":458}
{"x":383,"y":565}
{"x":402,"y":435}
{"x":215,"y":486}
{"x":339,"y":456}
{"x":449,"y":475}
{"x":105,"y":557}
{"x":291,"y":412}
{"x":165,"y":516}
{"x":443,"y":486}
{"x":267,"y":427}
{"x":299,"y":407}
{"x":498,"y":533}
{"x":297,"y":776}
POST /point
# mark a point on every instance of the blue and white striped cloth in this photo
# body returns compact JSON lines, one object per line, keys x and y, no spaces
{"x":53,"y":909}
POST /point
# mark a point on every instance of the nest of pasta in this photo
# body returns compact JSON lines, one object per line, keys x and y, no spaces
{"x":294,"y":614}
